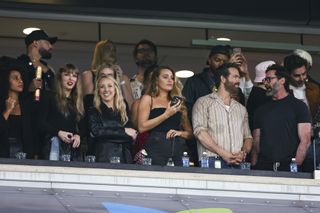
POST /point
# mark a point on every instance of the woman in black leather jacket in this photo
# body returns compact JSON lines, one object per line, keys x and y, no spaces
{"x":108,"y":122}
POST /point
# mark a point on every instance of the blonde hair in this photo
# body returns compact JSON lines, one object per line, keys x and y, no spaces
{"x":105,"y":52}
{"x":152,"y":89}
{"x":75,"y":95}
{"x":118,"y":100}
{"x":110,"y":66}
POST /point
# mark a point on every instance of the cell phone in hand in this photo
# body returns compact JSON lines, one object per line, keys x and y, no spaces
{"x":175,"y":100}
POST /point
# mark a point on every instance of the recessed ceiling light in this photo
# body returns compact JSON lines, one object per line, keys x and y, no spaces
{"x":223,"y":39}
{"x":184,"y":73}
{"x":29,"y":30}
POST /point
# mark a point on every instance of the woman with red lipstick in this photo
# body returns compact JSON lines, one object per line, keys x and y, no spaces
{"x":62,"y":112}
{"x":167,"y":122}
{"x":15,"y":120}
{"x":109,"y":122}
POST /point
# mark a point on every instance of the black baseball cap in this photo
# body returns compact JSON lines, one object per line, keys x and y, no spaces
{"x":39,"y":35}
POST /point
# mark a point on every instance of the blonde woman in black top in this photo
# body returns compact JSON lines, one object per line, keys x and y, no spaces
{"x":109,"y":122}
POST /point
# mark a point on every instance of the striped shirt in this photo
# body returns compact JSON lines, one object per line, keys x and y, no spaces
{"x":227,"y":125}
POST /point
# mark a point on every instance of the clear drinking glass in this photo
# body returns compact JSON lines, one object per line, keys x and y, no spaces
{"x":65,"y":157}
{"x":147,"y":161}
{"x":114,"y":159}
{"x":245,"y":165}
{"x":21,"y":155}
{"x":90,"y":158}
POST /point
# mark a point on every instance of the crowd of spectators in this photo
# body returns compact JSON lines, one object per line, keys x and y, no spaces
{"x":219,"y":112}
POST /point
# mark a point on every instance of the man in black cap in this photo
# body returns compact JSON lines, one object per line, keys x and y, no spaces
{"x":203,"y":83}
{"x":39,"y":46}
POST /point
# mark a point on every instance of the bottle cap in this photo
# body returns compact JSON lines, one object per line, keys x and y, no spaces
{"x":293,"y":159}
{"x":185,"y":153}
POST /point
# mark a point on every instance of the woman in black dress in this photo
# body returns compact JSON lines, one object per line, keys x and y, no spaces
{"x":167,"y":122}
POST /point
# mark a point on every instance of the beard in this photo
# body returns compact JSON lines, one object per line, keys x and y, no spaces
{"x":232,"y":88}
{"x":299,"y":83}
{"x":45,"y":54}
{"x":146,"y":62}
{"x":272,"y":90}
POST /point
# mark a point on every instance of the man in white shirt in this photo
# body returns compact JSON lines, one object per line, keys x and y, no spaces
{"x":220,"y":123}
{"x":308,"y":90}
{"x":303,"y":87}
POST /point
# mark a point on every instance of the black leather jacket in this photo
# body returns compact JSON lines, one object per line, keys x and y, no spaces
{"x":107,"y":126}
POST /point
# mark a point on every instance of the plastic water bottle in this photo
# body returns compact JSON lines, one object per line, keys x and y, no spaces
{"x":54,"y":151}
{"x":293,"y":165}
{"x":204,"y":160}
{"x":185,"y":159}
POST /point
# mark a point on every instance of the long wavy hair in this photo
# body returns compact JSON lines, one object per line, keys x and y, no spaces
{"x":76,"y":92}
{"x":105,"y":52}
{"x":118,"y":100}
{"x":152,"y":89}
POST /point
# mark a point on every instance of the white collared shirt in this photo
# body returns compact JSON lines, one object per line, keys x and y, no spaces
{"x":300,"y":93}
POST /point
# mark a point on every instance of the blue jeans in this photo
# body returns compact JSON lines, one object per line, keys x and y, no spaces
{"x":55,"y":148}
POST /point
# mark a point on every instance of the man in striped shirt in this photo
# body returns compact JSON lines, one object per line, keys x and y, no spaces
{"x":221,"y":123}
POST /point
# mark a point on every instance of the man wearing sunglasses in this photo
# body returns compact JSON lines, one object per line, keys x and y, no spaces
{"x":145,"y":56}
{"x":282,"y":127}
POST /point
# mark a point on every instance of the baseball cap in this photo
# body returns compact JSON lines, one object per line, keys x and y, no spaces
{"x":39,"y":35}
{"x":222,"y":49}
{"x":303,"y":54}
{"x":260,"y":70}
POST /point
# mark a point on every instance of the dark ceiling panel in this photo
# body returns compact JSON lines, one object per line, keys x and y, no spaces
{"x":315,"y":15}
{"x":295,"y":11}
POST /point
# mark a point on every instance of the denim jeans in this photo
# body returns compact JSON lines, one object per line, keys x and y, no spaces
{"x":55,"y":148}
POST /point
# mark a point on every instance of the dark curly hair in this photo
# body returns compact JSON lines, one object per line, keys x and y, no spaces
{"x":7,"y":65}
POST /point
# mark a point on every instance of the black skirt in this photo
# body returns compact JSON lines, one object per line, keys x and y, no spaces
{"x":160,"y":149}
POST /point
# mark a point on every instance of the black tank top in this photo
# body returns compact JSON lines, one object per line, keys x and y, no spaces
{"x":173,"y":122}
